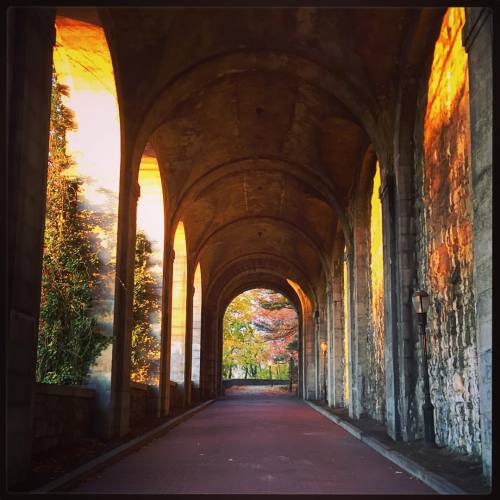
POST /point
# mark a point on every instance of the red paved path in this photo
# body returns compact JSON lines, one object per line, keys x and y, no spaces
{"x":250,"y":443}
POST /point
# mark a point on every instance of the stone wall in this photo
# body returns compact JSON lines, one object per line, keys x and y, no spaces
{"x":143,"y":402}
{"x":62,"y":415}
{"x":444,"y":244}
{"x":375,"y":345}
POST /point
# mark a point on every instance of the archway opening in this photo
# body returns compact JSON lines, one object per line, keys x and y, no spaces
{"x":146,"y":330}
{"x":260,"y":343}
{"x":196,"y":337}
{"x":78,"y":273}
{"x":179,"y":295}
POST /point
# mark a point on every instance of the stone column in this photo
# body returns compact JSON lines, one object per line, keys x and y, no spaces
{"x":390,"y":308}
{"x":330,"y":340}
{"x":166,"y":307}
{"x":30,"y":38}
{"x":123,"y":313}
{"x":189,"y":335}
{"x":309,"y":352}
{"x":359,"y":279}
{"x":477,"y":37}
{"x":337,"y":338}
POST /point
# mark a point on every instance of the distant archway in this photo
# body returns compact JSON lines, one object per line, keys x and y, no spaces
{"x":260,"y":337}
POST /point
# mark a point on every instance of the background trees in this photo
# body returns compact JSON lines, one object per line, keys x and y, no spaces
{"x":260,"y":326}
{"x":145,"y":346}
{"x":68,"y":340}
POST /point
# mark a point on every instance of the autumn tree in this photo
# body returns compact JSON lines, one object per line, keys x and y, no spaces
{"x":68,"y":339}
{"x":145,"y":346}
{"x":259,"y":325}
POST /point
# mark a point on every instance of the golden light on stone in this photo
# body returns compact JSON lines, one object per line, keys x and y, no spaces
{"x":446,"y":249}
{"x":346,"y":333}
{"x":298,"y":290}
{"x":446,"y":154}
{"x":377,"y":274}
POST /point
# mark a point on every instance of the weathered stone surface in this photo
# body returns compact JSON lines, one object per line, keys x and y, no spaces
{"x":62,"y":415}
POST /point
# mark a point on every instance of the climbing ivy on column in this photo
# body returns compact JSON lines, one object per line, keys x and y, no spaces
{"x":68,"y":338}
{"x":145,"y":346}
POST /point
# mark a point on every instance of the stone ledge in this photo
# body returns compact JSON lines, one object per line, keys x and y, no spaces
{"x":436,"y":482}
{"x":138,"y":385}
{"x":64,"y":390}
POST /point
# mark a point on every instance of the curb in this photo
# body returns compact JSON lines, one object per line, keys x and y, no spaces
{"x":431,"y":479}
{"x":115,"y":454}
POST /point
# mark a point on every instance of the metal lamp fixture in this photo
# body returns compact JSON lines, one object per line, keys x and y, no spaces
{"x":421,"y":301}
{"x":421,"y":304}
{"x":324,"y":347}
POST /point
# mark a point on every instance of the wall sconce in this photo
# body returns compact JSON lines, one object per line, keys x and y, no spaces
{"x":421,"y":304}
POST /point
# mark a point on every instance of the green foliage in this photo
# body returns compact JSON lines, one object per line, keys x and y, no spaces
{"x":259,"y":325}
{"x":68,"y":340}
{"x":145,"y":346}
{"x":243,"y":347}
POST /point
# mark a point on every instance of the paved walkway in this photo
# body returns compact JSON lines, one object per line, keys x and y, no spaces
{"x":251,"y":443}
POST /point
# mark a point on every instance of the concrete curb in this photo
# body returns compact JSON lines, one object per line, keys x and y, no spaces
{"x":434,"y":481}
{"x":115,"y":454}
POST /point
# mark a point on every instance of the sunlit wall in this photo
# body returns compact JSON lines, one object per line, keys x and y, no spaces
{"x":346,"y":332}
{"x":445,"y":243}
{"x":376,"y":378}
{"x":196,"y":342}
{"x":150,"y":221}
{"x":82,"y":62}
{"x":179,"y":289}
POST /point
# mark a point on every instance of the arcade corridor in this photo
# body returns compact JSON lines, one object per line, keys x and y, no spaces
{"x":254,"y":444}
{"x":164,"y":161}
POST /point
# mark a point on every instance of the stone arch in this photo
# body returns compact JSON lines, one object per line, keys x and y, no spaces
{"x":265,"y":279}
{"x":314,"y":179}
{"x":217,"y":66}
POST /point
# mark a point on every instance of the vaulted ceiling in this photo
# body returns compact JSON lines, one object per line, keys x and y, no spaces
{"x":259,"y":118}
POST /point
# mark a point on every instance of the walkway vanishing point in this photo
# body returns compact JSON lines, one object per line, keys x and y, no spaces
{"x":256,"y":444}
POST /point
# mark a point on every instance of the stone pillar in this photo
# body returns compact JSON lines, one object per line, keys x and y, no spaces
{"x":359,"y":318}
{"x":390,"y":308}
{"x":30,"y":39}
{"x":119,"y":410}
{"x":166,"y":307}
{"x":337,"y":336}
{"x":323,"y":359}
{"x":189,"y":336}
{"x":330,"y":340}
{"x":477,"y":38}
{"x":309,"y":356}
